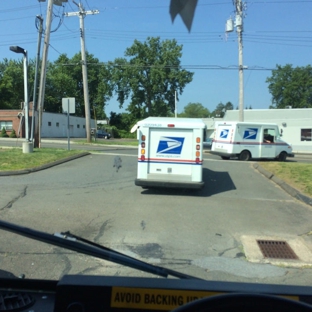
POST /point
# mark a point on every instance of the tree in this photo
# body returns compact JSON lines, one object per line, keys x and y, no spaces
{"x":150,"y":75}
{"x":195,"y":110}
{"x":12,"y":83}
{"x":291,"y":86}
{"x":221,"y":109}
{"x":64,"y":79}
{"x":122,"y":121}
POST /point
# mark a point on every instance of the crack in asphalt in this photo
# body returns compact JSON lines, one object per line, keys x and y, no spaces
{"x":101,"y":231}
{"x":10,"y":203}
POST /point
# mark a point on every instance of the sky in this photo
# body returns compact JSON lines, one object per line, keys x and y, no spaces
{"x":276,"y":32}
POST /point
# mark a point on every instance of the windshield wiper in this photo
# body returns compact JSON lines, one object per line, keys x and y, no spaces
{"x":75,"y":243}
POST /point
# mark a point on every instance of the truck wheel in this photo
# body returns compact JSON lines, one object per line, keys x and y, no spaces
{"x":225,"y":157}
{"x":282,"y":156}
{"x":105,"y":137}
{"x":244,"y":156}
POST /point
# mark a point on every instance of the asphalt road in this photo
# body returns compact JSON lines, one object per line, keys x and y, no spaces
{"x":63,"y":143}
{"x":200,"y":233}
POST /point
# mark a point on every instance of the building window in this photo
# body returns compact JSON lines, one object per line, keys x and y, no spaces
{"x":57,"y":124}
{"x":306,"y":134}
{"x":84,"y":127}
{"x":49,"y":123}
{"x":6,"y":124}
{"x":78,"y":126}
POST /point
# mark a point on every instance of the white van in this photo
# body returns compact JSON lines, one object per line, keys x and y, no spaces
{"x":247,"y":140}
{"x":170,"y":152}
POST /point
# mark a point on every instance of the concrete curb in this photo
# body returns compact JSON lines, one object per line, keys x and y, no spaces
{"x":45,"y":166}
{"x":286,"y":187}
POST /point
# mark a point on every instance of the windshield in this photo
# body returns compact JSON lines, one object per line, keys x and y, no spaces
{"x":164,"y":194}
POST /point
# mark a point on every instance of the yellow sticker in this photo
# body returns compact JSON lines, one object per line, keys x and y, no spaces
{"x":154,"y":299}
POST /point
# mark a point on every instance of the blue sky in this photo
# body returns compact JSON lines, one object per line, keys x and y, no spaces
{"x":275,"y":32}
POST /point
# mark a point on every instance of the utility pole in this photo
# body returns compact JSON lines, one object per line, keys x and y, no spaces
{"x":35,"y":116}
{"x":82,"y":13}
{"x":44,"y":66}
{"x":239,"y":29}
{"x":43,"y":73}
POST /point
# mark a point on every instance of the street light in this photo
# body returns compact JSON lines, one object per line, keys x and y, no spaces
{"x":17,"y":49}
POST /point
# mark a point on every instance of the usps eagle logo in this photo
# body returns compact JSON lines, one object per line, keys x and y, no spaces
{"x":224,"y":133}
{"x":250,"y":133}
{"x":170,"y":145}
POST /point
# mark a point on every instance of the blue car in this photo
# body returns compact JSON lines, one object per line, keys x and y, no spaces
{"x":103,"y":134}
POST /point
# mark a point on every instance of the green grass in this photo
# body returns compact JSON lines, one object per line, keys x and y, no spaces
{"x":298,"y":175}
{"x":15,"y":159}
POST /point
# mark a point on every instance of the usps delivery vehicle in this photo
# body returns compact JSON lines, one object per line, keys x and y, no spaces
{"x":247,"y":140}
{"x":170,"y":152}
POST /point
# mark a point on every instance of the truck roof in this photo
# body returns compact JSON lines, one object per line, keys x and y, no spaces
{"x":244,"y":123}
{"x":174,"y":122}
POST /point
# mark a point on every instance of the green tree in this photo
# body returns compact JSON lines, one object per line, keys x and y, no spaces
{"x":3,"y":133}
{"x":11,"y":84}
{"x":150,"y":75}
{"x":291,"y":86}
{"x":195,"y":110}
{"x":64,"y":79}
{"x":122,"y":121}
{"x":221,"y":109}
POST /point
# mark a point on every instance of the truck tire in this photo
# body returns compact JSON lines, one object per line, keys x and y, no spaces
{"x":105,"y":137}
{"x":282,"y":156}
{"x":244,"y":155}
{"x":225,"y":157}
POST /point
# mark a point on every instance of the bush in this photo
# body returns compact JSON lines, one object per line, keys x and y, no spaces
{"x":127,"y":134}
{"x":121,"y":134}
{"x":3,"y":133}
{"x":13,"y":134}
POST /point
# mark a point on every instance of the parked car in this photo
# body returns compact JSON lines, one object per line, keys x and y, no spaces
{"x":103,"y":134}
{"x":208,"y":143}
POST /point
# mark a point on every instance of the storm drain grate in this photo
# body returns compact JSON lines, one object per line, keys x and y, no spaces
{"x":276,"y":249}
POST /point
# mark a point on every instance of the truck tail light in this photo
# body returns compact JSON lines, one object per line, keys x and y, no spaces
{"x":197,"y":153}
{"x":143,"y":138}
{"x":170,"y":125}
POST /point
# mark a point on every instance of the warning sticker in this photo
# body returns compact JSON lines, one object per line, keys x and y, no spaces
{"x":154,"y":299}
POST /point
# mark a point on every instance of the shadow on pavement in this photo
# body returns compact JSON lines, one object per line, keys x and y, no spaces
{"x":215,"y":182}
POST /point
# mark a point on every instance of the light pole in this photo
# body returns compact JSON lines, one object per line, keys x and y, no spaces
{"x":27,"y":146}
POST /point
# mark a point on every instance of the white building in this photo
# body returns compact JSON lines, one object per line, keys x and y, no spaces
{"x":295,"y":124}
{"x":55,"y":126}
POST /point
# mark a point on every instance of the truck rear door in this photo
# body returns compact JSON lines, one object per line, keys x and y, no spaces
{"x":171,"y":152}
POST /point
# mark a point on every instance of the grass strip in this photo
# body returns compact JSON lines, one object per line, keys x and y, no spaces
{"x":298,"y":175}
{"x":14,"y":159}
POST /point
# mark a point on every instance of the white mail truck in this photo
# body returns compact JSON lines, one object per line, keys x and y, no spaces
{"x":170,"y":152}
{"x":246,"y":140}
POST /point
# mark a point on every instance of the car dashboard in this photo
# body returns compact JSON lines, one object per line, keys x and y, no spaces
{"x":111,"y":293}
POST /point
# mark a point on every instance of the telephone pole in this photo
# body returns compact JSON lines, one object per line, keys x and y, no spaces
{"x":43,"y":72}
{"x":82,"y":13}
{"x":239,"y":29}
{"x":35,"y":116}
